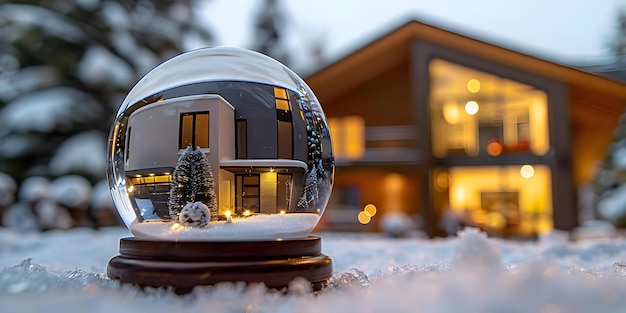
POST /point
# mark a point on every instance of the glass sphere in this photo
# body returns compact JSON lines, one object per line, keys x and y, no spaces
{"x":220,"y":144}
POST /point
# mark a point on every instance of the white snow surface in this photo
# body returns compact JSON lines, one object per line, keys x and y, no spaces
{"x":65,"y":271}
{"x":255,"y":227}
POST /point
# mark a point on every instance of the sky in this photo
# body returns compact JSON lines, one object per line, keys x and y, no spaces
{"x":567,"y":31}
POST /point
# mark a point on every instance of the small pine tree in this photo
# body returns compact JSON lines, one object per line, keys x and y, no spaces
{"x":310,"y":195}
{"x":192,"y":181}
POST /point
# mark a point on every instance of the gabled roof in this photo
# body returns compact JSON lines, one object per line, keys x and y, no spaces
{"x":393,"y":48}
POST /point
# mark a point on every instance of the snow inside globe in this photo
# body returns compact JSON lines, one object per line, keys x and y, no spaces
{"x":220,"y":144}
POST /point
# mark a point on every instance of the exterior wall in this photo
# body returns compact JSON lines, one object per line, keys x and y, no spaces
{"x":558,"y":159}
{"x":154,"y":144}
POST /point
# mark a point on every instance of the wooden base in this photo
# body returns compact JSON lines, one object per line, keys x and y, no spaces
{"x":186,"y":264}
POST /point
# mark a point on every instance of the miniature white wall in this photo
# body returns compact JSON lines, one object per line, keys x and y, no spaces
{"x":154,"y":133}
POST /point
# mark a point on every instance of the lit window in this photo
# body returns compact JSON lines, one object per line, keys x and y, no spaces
{"x":469,"y":110}
{"x":348,"y":136}
{"x":194,"y":130}
{"x":284,"y":123}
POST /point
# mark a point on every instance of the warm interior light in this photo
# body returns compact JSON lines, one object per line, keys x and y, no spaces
{"x":151,"y":174}
{"x":364,"y":218}
{"x":282,"y":212}
{"x":527,"y":171}
{"x":473,"y":85}
{"x":227,"y":213}
{"x":246,"y":213}
{"x":471,"y":107}
{"x":494,"y":147}
{"x":451,"y":112}
{"x":176,"y":226}
{"x":370,"y":210}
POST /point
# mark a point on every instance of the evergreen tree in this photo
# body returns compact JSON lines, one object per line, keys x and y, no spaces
{"x":618,"y":44}
{"x":609,"y":186}
{"x":268,"y":33}
{"x":192,"y":181}
{"x":310,"y":195}
{"x":65,"y":67}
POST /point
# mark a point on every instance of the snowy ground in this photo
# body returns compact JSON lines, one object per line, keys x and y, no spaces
{"x":470,"y":273}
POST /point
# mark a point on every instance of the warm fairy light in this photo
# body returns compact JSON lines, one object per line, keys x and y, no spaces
{"x":176,"y":226}
{"x":442,"y":180}
{"x":245,"y":213}
{"x":473,"y":85}
{"x":364,"y":218}
{"x":131,"y":189}
{"x":138,"y":175}
{"x":160,"y":100}
{"x":227,"y":213}
{"x":527,"y":171}
{"x":271,"y":170}
{"x":282,"y":212}
{"x":166,"y":173}
{"x":370,"y":210}
{"x":471,"y":107}
{"x":151,"y":174}
{"x":494,"y":147}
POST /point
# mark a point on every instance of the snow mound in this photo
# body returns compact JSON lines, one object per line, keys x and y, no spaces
{"x":72,"y":191}
{"x":101,"y":196}
{"x":82,"y":153}
{"x":34,"y":188}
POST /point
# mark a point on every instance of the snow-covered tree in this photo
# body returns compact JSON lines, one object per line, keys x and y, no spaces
{"x":192,"y":181}
{"x":65,"y":67}
{"x":310,"y":195}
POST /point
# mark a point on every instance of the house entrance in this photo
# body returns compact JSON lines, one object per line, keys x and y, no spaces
{"x":247,"y":191}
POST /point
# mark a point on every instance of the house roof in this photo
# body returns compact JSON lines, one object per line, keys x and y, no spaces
{"x":393,"y":48}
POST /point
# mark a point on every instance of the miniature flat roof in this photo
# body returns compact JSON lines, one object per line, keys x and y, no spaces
{"x":264,"y":163}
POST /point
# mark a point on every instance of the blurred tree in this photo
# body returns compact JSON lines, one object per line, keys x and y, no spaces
{"x":65,"y":66}
{"x":609,"y":188}
{"x":618,"y":44}
{"x":269,"y":35}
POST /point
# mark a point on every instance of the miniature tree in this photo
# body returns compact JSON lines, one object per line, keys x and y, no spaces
{"x":192,"y":181}
{"x":310,"y":195}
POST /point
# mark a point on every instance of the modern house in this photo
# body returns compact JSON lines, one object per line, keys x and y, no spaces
{"x":447,"y":127}
{"x":255,"y":136}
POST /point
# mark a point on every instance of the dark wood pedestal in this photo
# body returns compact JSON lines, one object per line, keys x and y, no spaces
{"x":186,"y":264}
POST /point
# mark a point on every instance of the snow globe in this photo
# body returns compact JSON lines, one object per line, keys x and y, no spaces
{"x":220,"y":163}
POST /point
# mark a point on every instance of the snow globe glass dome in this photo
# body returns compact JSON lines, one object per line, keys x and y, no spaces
{"x":220,"y":144}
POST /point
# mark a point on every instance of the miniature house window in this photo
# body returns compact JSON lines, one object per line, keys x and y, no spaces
{"x":476,"y":113}
{"x":241,"y":139}
{"x":152,"y":188}
{"x":194,"y":130}
{"x":284,"y":123}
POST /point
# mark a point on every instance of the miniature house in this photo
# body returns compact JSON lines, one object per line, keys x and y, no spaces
{"x":254,"y":136}
{"x":446,"y":127}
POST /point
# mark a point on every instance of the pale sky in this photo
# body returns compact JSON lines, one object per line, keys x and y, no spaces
{"x":568,"y":31}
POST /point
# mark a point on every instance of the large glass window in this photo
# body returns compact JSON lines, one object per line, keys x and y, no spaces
{"x":514,"y":200}
{"x":476,"y":113}
{"x":194,"y":130}
{"x":348,"y":135}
